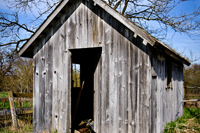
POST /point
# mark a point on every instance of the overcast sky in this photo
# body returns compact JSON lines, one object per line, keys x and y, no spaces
{"x":180,"y":42}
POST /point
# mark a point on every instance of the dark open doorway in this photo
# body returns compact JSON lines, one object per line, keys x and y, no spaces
{"x":84,"y":63}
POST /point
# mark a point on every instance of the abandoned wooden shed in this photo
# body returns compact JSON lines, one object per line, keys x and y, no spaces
{"x":132,"y":82}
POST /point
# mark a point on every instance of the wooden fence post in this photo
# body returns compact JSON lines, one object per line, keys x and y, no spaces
{"x":4,"y":105}
{"x":12,"y":109}
{"x":19,"y":106}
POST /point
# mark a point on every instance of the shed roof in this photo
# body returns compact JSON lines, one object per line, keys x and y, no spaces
{"x":26,"y":49}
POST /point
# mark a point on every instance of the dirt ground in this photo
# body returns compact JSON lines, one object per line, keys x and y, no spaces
{"x":192,"y":104}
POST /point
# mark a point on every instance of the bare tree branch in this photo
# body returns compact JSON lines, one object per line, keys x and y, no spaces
{"x":141,"y":12}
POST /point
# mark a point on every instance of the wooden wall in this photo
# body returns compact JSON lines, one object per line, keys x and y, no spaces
{"x":166,"y":104}
{"x":123,"y":98}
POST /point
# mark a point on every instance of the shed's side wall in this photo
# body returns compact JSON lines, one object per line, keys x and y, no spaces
{"x":166,"y":104}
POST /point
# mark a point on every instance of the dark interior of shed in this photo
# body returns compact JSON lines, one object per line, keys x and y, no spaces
{"x":82,"y":94}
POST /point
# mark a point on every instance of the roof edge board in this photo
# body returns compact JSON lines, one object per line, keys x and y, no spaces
{"x":171,"y":53}
{"x":42,"y":27}
{"x":150,"y":39}
{"x":103,"y":5}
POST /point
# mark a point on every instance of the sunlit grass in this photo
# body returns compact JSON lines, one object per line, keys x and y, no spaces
{"x":3,"y":94}
{"x":189,"y":122}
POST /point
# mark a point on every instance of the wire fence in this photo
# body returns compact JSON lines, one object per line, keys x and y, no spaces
{"x":191,"y":93}
{"x":16,"y":112}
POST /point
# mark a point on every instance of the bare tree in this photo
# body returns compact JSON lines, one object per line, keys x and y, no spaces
{"x":145,"y":13}
{"x":22,"y":78}
{"x":16,"y":74}
{"x":12,"y":30}
{"x":7,"y":64}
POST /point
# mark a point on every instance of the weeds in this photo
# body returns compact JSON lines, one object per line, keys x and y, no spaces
{"x":25,"y":128}
{"x":7,"y":105}
{"x":3,"y":94}
{"x":189,"y":122}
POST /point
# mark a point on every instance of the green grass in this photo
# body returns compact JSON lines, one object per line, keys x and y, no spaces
{"x":24,"y":104}
{"x":3,"y":94}
{"x":24,"y":126}
{"x":189,"y":122}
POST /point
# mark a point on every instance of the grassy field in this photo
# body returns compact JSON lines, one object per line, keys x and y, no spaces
{"x":7,"y":106}
{"x":24,"y":125}
{"x":24,"y":104}
{"x":188,"y":123}
{"x":3,"y":94}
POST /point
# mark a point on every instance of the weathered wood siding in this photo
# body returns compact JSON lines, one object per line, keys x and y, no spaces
{"x":166,"y":104}
{"x":123,"y":99}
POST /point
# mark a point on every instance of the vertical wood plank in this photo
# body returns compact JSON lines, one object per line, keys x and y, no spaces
{"x":163,"y":96}
{"x":69,"y":91}
{"x":154,"y":109}
{"x":62,"y":70}
{"x":49,"y":85}
{"x":120,"y":94}
{"x":83,"y":25}
{"x":100,"y":94}
{"x":137,"y":71}
{"x":141,"y":92}
{"x":85,"y":32}
{"x":111,"y":79}
{"x":34,"y":92}
{"x":77,"y":26}
{"x":89,"y":24}
{"x":37,"y":80}
{"x":116,"y":44}
{"x":42,"y":76}
{"x":130,"y":108}
{"x":71,"y":34}
{"x":125,"y":81}
{"x":160,"y":98}
{"x":55,"y":93}
{"x":133,"y":87}
{"x":105,"y":69}
{"x":96,"y":99}
{"x":107,"y":40}
{"x":66,"y":91}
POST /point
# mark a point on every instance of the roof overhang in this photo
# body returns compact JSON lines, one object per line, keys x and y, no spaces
{"x":170,"y":52}
{"x":26,"y":48}
{"x":42,"y":27}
